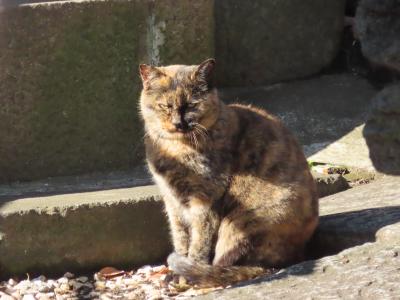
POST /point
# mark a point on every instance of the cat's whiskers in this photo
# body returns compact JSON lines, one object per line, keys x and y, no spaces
{"x":201,"y":131}
{"x":201,"y":134}
{"x":146,"y":134}
{"x":196,"y":142}
{"x":156,"y":139}
{"x":202,"y":128}
{"x":190,"y":139}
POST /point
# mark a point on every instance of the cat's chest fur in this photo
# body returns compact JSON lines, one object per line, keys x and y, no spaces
{"x":187,"y":173}
{"x":188,"y":162}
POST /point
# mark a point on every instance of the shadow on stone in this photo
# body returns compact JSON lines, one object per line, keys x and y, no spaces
{"x":316,"y":110}
{"x":340,"y":231}
{"x":382,"y":131}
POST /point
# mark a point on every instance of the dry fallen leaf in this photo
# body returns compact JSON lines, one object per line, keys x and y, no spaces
{"x":110,"y":272}
{"x":161,"y":270}
{"x":159,"y":273}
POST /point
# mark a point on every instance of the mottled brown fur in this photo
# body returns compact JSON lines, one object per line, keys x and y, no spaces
{"x":236,"y":185}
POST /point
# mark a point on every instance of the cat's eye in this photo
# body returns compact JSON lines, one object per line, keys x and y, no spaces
{"x":192,"y":104}
{"x":164,"y":106}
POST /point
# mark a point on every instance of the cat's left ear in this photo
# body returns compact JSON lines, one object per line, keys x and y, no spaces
{"x":205,"y":70}
{"x":147,"y":73}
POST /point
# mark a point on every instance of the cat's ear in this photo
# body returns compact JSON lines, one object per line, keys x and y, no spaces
{"x":205,"y":70}
{"x":148,"y":73}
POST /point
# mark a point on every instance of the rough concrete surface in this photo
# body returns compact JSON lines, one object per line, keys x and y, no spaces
{"x":69,"y":81}
{"x":370,"y":271}
{"x":138,"y":176}
{"x":366,"y":271}
{"x":382,"y":130}
{"x":318,"y":110}
{"x":264,"y":41}
{"x":355,"y":216}
{"x":378,"y":27}
{"x":127,"y":228}
{"x":328,"y":184}
{"x":82,"y":232}
{"x":350,"y":150}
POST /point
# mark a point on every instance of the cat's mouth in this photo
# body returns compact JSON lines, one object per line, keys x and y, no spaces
{"x":180,"y":134}
{"x":186,"y":134}
{"x":175,"y":134}
{"x":182,"y":130}
{"x":190,"y":132}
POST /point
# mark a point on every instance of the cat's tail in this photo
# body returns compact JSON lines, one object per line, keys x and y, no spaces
{"x":210,"y":275}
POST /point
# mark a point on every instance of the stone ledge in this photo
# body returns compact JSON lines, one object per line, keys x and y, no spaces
{"x":127,"y":227}
{"x":328,"y":184}
{"x":36,"y":3}
{"x":369,"y":271}
{"x":83,"y":232}
{"x":366,"y":219}
{"x":355,"y":216}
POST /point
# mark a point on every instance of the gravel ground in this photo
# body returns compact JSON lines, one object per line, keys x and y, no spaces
{"x":146,"y":283}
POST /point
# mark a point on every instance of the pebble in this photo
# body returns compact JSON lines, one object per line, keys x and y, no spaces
{"x":111,"y":285}
{"x":16,"y":295}
{"x":62,"y":280}
{"x":43,"y":289}
{"x":4,"y":296}
{"x":11,"y":282}
{"x":51,"y":283}
{"x":82,"y":279}
{"x":69,"y":275}
{"x":45,"y":296}
{"x":147,"y":283}
{"x":76,"y":285}
{"x":100,"y":285}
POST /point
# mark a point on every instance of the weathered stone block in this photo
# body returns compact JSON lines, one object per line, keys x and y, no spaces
{"x":328,"y":184}
{"x":69,"y":83}
{"x":382,"y":131}
{"x":259,"y":42}
{"x":378,"y":28}
{"x":83,"y":231}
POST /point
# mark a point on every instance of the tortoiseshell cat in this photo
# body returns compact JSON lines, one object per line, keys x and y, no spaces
{"x":236,"y":185}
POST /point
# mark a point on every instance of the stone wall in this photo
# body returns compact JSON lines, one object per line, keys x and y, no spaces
{"x":69,"y":85}
{"x":275,"y":40}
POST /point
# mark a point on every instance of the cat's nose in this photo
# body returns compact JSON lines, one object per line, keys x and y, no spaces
{"x":180,"y":126}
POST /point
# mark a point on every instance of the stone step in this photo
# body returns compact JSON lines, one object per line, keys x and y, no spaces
{"x":359,"y":215}
{"x":124,"y":227}
{"x":82,"y":231}
{"x":366,"y":221}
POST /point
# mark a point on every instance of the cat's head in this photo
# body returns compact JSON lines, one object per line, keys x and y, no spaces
{"x":178,"y":100}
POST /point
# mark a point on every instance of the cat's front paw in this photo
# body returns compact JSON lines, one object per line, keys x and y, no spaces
{"x":198,"y":257}
{"x":181,"y":252}
{"x":175,"y":261}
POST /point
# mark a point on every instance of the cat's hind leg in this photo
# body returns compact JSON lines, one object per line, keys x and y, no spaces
{"x":232,"y":244}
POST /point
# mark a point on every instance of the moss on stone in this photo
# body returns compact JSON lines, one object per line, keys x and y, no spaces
{"x":70,"y":89}
{"x":189,"y":31}
{"x":87,"y":117}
